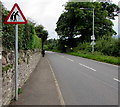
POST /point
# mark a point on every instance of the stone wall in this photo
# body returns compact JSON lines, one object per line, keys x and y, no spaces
{"x":0,"y":53}
{"x":27,"y":63}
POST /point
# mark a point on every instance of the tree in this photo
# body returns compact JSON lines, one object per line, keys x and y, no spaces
{"x":44,"y":37}
{"x":51,"y":44}
{"x":43,"y":34}
{"x":75,"y":21}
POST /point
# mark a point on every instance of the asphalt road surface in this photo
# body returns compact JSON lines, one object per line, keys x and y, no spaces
{"x":84,"y":81}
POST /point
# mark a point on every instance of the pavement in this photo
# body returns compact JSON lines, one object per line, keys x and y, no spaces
{"x":40,"y":88}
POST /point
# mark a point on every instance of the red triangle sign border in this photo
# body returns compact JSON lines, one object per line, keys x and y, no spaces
{"x":6,"y":21}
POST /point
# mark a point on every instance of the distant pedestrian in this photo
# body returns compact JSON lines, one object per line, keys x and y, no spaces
{"x":43,"y":53}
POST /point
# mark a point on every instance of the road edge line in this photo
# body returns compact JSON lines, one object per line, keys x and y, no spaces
{"x":60,"y":97}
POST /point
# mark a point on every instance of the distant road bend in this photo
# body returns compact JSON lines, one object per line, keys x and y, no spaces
{"x":84,"y":81}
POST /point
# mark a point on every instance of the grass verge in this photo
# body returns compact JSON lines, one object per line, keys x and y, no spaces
{"x":98,"y":57}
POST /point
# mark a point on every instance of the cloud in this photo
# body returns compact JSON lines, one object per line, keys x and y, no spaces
{"x":115,"y":1}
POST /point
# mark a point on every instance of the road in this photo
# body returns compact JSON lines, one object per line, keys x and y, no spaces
{"x":83,"y":81}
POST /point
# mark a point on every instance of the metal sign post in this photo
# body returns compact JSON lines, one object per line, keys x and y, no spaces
{"x":93,"y":28}
{"x":93,"y":36}
{"x":16,"y":17}
{"x":16,"y":63}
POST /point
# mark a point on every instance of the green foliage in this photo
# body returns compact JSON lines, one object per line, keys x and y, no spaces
{"x":43,"y":34}
{"x":83,"y":46}
{"x":8,"y":67}
{"x":97,"y":56}
{"x":36,"y":42}
{"x":51,"y":44}
{"x":75,"y":21}
{"x":105,"y":45}
{"x":19,"y":90}
{"x":8,"y":39}
{"x":108,"y":46}
{"x":39,"y":30}
{"x":27,"y":38}
{"x":26,"y":33}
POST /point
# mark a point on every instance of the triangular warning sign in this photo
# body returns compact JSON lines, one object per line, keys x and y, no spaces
{"x":15,"y":16}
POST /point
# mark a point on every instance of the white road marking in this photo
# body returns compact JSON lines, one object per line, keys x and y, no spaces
{"x":87,"y":67}
{"x":70,"y":59}
{"x":62,"y":102}
{"x":116,"y":79}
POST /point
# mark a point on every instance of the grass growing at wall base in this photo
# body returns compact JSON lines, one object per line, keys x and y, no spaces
{"x":7,"y":67}
{"x":97,"y":56}
{"x":19,"y":90}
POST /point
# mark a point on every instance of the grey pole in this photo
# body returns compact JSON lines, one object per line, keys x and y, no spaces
{"x":93,"y":21}
{"x":16,"y":63}
{"x":93,"y":32}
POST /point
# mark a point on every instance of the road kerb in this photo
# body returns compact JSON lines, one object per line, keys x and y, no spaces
{"x":62,"y":102}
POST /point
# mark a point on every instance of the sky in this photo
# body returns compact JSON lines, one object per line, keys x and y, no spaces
{"x":45,"y":12}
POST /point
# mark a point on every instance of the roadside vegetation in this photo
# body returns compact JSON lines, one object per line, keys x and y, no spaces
{"x":28,"y":38}
{"x":106,"y":50}
{"x":74,"y":28}
{"x":97,"y":56}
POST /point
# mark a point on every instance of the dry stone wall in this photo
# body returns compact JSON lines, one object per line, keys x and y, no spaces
{"x":27,"y":63}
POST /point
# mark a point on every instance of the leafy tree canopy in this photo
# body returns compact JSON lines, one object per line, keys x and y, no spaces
{"x":43,"y":34}
{"x":75,"y":21}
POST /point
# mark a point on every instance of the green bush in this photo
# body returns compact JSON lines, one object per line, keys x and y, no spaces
{"x":97,"y":56}
{"x":108,"y":46}
{"x":36,"y":42}
{"x":83,"y":46}
{"x":105,"y":45}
